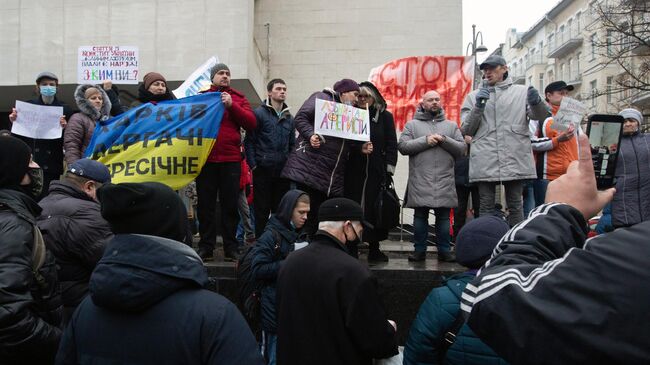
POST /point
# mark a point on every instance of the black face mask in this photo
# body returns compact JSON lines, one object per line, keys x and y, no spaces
{"x":354,"y":242}
{"x":35,"y":187}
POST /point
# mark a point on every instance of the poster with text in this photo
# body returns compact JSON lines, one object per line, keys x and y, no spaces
{"x":404,"y":81}
{"x":341,"y":120}
{"x":118,"y":64}
{"x":199,"y":80}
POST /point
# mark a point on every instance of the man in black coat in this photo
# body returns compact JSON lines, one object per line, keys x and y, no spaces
{"x":30,"y":305}
{"x":48,"y":153}
{"x":147,"y":303}
{"x":329,"y":311}
{"x":73,"y":228}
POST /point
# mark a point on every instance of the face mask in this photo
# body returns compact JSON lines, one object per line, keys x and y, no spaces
{"x":48,"y":90}
{"x":35,"y":187}
{"x":356,"y":241}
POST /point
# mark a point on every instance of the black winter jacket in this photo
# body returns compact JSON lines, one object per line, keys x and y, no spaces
{"x":30,"y":312}
{"x":320,"y":168}
{"x":147,"y":305}
{"x":329,"y":311}
{"x":549,"y":297}
{"x":75,"y":232}
{"x":267,"y":259}
{"x":269,"y":144}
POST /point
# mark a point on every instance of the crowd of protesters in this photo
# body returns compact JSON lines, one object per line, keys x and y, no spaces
{"x":103,"y":273}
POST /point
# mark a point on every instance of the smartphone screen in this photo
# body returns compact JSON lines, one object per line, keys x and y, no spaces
{"x":604,"y":133}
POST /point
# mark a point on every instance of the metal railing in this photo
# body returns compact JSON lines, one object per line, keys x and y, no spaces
{"x":574,"y":32}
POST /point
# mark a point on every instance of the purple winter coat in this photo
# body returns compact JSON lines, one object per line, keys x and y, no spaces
{"x":322,"y":169}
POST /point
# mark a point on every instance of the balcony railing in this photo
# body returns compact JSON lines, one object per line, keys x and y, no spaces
{"x":535,"y":59}
{"x":565,"y":41}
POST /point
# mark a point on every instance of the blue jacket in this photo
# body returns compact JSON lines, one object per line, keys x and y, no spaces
{"x":267,"y":260}
{"x":147,"y":305}
{"x":269,"y":144}
{"x":435,"y":317}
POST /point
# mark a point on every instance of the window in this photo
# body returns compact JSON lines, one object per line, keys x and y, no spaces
{"x":560,"y":35}
{"x":570,"y":70}
{"x":550,"y":43}
{"x":578,"y":57}
{"x":609,"y":88}
{"x":562,"y":74}
{"x":593,"y":46}
{"x":610,"y":50}
{"x":577,"y":22}
{"x":541,"y":81}
{"x":570,"y":32}
{"x":594,"y":90}
{"x":530,"y":80}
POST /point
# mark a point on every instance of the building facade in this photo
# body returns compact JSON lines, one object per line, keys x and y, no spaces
{"x":310,"y":44}
{"x":573,"y":43}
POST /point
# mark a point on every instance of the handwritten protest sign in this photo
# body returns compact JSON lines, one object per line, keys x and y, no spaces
{"x":571,"y":112}
{"x":404,"y":81}
{"x":168,"y":142}
{"x":198,"y":80}
{"x":118,"y":64}
{"x":341,"y":120}
{"x":37,"y":121}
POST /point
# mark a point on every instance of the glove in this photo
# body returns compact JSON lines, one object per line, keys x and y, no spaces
{"x":533,"y":96}
{"x":482,"y":96}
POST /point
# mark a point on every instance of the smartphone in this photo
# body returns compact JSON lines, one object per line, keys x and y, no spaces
{"x":605,"y":133}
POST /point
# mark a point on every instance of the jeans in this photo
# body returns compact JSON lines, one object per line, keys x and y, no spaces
{"x":269,"y":346}
{"x":421,"y":229}
{"x":534,"y":194}
{"x":220,"y":178}
{"x":514,"y":201}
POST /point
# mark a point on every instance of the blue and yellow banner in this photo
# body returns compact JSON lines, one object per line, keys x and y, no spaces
{"x":168,"y":142}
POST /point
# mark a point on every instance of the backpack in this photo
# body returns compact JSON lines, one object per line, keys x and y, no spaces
{"x":249,"y":290}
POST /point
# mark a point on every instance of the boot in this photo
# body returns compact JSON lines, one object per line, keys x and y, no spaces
{"x":446,"y":257}
{"x":374,"y":254}
{"x":418,"y":256}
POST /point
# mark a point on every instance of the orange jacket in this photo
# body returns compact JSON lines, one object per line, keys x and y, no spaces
{"x":552,"y":157}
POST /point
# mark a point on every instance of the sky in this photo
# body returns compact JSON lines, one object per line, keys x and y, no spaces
{"x":494,"y":18}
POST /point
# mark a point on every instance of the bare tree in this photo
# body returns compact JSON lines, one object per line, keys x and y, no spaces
{"x":621,"y":39}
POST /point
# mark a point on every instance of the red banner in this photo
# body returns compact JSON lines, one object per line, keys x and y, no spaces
{"x":402,"y":83}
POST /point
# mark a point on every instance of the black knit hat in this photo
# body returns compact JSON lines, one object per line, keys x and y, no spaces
{"x":216,"y":68}
{"x":149,"y":208}
{"x":14,"y":161}
{"x":477,"y":239}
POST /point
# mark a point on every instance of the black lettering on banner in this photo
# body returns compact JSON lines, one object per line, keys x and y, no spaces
{"x":167,"y":167}
{"x":164,"y":112}
{"x":189,"y":137}
{"x":143,"y":113}
{"x":99,"y":151}
{"x":193,"y":165}
{"x":129,"y":168}
{"x":130,"y":139}
{"x":139,"y":170}
{"x":198,"y":111}
{"x":124,"y":122}
{"x":112,"y":150}
{"x":178,"y":165}
{"x":117,"y":168}
{"x":145,"y":139}
{"x":181,"y":114}
{"x":199,"y":137}
{"x":164,"y":138}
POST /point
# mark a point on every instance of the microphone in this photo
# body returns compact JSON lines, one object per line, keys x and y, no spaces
{"x":482,"y":102}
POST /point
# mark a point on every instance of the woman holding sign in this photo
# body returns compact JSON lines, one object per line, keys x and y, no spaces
{"x":94,"y":106}
{"x":365,"y":174}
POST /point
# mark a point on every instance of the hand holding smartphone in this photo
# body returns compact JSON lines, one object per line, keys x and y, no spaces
{"x":605,"y":133}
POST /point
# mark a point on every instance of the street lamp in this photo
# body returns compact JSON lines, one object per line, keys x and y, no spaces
{"x":475,"y":49}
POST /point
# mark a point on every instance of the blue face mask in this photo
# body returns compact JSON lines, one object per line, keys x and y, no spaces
{"x":48,"y":90}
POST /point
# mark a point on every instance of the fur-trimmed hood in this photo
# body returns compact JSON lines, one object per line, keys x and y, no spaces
{"x":86,"y":108}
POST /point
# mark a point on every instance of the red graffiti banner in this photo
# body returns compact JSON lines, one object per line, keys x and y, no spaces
{"x":402,"y":83}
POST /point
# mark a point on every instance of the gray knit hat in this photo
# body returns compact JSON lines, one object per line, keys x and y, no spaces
{"x":216,"y":68}
{"x":632,"y":114}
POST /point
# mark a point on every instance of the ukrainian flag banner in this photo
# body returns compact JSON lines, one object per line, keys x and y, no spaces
{"x":168,"y":142}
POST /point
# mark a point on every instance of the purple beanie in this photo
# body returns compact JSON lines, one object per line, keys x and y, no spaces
{"x":346,"y":85}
